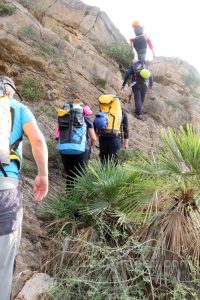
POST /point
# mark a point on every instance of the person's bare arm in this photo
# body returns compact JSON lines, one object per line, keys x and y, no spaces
{"x":40,"y":153}
{"x":125,"y":143}
{"x":92,"y":135}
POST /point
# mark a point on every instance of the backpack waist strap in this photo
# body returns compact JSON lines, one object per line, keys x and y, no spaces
{"x":109,"y":133}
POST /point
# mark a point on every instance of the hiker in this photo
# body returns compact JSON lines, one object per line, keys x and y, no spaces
{"x":19,"y":122}
{"x":112,"y":131}
{"x":87,"y":112}
{"x":74,"y":125}
{"x":140,"y":42}
{"x":141,"y":79}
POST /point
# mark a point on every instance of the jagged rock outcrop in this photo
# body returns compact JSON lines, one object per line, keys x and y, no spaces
{"x":75,"y":17}
{"x":57,"y":42}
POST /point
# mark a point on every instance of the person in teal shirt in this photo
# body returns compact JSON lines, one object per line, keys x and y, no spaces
{"x":23,"y":123}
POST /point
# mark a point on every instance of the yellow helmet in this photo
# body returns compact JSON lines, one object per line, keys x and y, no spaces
{"x":144,"y":73}
{"x":136,"y":24}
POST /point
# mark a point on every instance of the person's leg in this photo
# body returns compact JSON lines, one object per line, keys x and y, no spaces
{"x":7,"y":258}
{"x":19,"y":234}
{"x":10,"y":229}
{"x":69,"y":163}
{"x":141,"y":56}
{"x":103,"y":149}
{"x":75,"y":164}
{"x":82,"y":161}
{"x":137,"y":98}
{"x":113,"y":147}
{"x":143,"y":93}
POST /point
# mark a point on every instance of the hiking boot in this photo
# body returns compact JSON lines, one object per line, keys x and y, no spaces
{"x":138,"y":117}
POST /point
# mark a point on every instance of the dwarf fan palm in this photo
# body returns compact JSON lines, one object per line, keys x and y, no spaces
{"x":94,"y":200}
{"x":173,"y":234}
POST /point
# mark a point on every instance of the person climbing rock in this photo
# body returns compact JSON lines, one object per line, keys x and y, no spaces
{"x":141,"y":78}
{"x":75,"y":135}
{"x":140,"y":42}
{"x":111,"y":125}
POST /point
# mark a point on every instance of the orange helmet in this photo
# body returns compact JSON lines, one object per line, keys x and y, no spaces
{"x":135,"y":24}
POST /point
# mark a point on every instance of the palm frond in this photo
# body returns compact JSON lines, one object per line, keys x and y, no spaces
{"x":182,"y":151}
{"x":100,"y":186}
{"x":174,"y":241}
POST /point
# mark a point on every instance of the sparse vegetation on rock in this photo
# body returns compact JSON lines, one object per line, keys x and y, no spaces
{"x":122,"y":53}
{"x":32,"y":89}
{"x":6,"y":9}
{"x":100,"y":82}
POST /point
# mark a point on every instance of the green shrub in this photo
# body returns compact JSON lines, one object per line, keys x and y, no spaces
{"x":128,"y":154}
{"x":94,"y":271}
{"x":100,"y":82}
{"x":99,"y":272}
{"x":122,"y":53}
{"x":47,"y":109}
{"x":26,"y":31}
{"x":6,"y":9}
{"x":32,"y":89}
{"x":86,"y":13}
{"x":46,"y":49}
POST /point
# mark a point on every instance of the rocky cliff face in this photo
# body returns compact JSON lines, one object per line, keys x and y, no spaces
{"x":57,"y":43}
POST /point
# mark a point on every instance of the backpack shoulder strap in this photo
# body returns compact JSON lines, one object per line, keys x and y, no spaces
{"x":2,"y":170}
{"x":14,"y":145}
{"x":12,"y":112}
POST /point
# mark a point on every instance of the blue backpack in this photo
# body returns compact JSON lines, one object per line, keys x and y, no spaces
{"x":101,"y":121}
{"x":72,"y":129}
